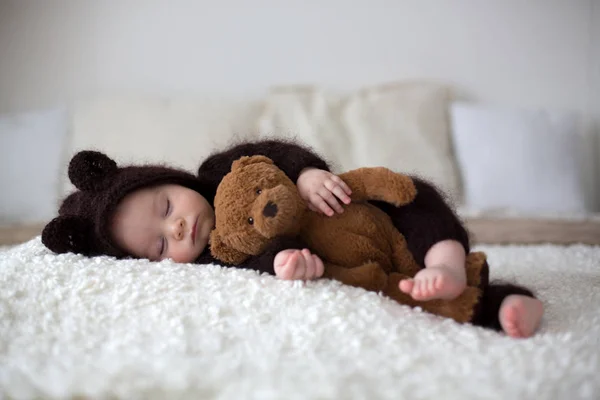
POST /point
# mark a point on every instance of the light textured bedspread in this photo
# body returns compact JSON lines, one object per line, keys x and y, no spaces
{"x":100,"y":328}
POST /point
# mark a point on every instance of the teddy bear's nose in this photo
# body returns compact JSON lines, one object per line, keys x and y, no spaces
{"x":270,"y":210}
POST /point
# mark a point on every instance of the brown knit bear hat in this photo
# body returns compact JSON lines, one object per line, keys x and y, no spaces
{"x":82,"y":225}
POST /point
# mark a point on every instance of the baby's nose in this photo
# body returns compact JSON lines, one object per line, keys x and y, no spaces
{"x":178,"y":228}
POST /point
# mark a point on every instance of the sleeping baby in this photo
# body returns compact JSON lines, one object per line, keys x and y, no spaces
{"x":158,"y":212}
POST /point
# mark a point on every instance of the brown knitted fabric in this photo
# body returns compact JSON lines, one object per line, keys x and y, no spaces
{"x":82,"y":225}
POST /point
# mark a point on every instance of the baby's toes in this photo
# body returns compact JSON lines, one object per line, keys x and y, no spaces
{"x":407,"y":285}
{"x":419,"y":289}
{"x":416,"y":290}
{"x":509,"y":318}
{"x":439,"y":282}
{"x":425,"y":288}
{"x":431,"y":289}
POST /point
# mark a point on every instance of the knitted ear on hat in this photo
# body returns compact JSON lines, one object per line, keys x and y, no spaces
{"x":69,"y":234}
{"x":91,"y":170}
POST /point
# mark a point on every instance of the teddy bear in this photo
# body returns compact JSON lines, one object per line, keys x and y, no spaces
{"x":256,"y":202}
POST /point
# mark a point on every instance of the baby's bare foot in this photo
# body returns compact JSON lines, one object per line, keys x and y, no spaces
{"x":520,"y":316}
{"x":435,"y":283}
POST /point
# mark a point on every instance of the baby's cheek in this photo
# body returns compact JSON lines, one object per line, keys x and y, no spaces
{"x":184,"y":255}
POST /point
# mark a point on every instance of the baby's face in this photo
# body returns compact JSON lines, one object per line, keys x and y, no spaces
{"x":167,"y":221}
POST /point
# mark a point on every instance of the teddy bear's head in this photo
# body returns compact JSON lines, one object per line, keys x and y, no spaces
{"x":254,"y":203}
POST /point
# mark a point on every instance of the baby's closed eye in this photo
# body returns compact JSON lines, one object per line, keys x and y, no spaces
{"x":163,"y":245}
{"x":167,"y":207}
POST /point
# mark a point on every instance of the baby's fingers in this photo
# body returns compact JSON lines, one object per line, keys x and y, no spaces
{"x":319,"y":204}
{"x":340,"y":182}
{"x":299,"y":267}
{"x":310,"y":266}
{"x":331,"y":200}
{"x":319,"y":267}
{"x":338,"y":190}
{"x":292,"y":267}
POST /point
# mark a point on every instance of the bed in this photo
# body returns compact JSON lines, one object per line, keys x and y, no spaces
{"x":74,"y":327}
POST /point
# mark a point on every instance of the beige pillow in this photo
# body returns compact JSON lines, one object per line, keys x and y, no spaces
{"x":402,"y":126}
{"x":305,"y":113}
{"x":181,"y":132}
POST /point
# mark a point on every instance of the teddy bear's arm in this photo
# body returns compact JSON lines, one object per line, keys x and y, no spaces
{"x":379,"y":183}
{"x":261,"y":263}
{"x":264,"y":262}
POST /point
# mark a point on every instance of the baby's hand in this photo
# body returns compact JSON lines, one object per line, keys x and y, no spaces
{"x":320,"y":189}
{"x":297,"y":264}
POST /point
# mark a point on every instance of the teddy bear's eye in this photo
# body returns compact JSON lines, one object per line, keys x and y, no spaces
{"x":251,"y":221}
{"x":258,"y":191}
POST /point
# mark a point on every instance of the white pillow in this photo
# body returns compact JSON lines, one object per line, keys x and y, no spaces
{"x":517,"y":159}
{"x":31,"y":146}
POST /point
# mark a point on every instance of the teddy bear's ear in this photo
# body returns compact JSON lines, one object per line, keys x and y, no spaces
{"x":223,"y":252}
{"x":247,"y":160}
{"x":91,"y":170}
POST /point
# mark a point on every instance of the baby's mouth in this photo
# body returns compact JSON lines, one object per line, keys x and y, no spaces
{"x":194,"y":230}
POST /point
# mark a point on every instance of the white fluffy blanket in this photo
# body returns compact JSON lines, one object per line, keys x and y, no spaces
{"x":73,"y":326}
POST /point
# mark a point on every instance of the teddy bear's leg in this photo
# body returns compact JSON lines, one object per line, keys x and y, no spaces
{"x":380,"y":183}
{"x":369,"y":276}
{"x":478,"y":272}
{"x":461,"y":309}
{"x":401,"y":256}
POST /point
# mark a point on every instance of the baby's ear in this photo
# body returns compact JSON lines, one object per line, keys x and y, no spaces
{"x":91,"y":170}
{"x":223,"y":252}
{"x":247,"y":160}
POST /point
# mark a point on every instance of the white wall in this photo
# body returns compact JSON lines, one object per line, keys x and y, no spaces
{"x":594,"y":90}
{"x":595,"y":64}
{"x":511,"y":52}
{"x":534,"y":53}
